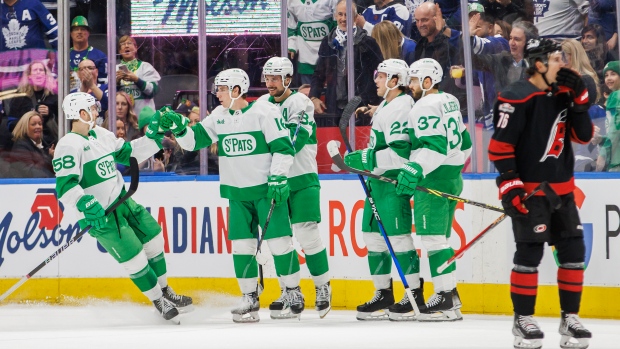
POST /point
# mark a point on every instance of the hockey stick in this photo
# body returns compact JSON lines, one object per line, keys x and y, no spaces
{"x":133,"y":186}
{"x":332,"y":148}
{"x":553,"y":198}
{"x":344,"y":122}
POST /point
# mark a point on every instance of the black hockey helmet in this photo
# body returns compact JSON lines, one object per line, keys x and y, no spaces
{"x":539,"y":50}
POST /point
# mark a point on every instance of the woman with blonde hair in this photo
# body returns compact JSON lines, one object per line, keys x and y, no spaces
{"x":125,"y":113}
{"x":31,"y":157}
{"x":392,"y":42}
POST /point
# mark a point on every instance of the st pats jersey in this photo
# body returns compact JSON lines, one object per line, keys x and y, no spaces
{"x":389,"y":137}
{"x":87,"y":165}
{"x":150,"y":76}
{"x":304,"y":172}
{"x":26,"y":24}
{"x":252,"y":144}
{"x":394,"y":12}
{"x":309,"y":21}
{"x":440,"y":143}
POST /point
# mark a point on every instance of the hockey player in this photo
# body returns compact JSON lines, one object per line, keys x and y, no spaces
{"x":255,"y":157}
{"x":26,"y":24}
{"x":304,"y":202}
{"x":533,"y":122}
{"x":440,"y":145}
{"x":386,"y":10}
{"x":387,"y":151}
{"x":309,"y":21}
{"x":86,"y":178}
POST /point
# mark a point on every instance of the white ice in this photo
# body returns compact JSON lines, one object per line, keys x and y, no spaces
{"x":116,"y":325}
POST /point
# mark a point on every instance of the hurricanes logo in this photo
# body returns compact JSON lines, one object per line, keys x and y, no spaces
{"x":555,"y":144}
{"x":14,"y":35}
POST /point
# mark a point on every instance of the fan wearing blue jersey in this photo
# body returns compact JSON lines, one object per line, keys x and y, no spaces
{"x":385,"y":10}
{"x":26,"y":24}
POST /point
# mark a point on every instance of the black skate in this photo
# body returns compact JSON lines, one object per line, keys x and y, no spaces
{"x":247,"y":311}
{"x":574,"y":335}
{"x":166,"y":309}
{"x":527,"y":333}
{"x":377,"y":307}
{"x":280,"y":308}
{"x":183,"y":303}
{"x":403,"y":311}
{"x":295,"y":300}
{"x":442,"y":306}
{"x":323,"y":302}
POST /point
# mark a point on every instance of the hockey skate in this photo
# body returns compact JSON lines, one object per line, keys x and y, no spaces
{"x":183,"y":303}
{"x":295,"y":300}
{"x":280,"y":308}
{"x":442,"y":306}
{"x":166,"y":309}
{"x":574,"y":335}
{"x":323,"y":302}
{"x":247,"y":311}
{"x":377,"y":307}
{"x":403,"y":311}
{"x":527,"y":333}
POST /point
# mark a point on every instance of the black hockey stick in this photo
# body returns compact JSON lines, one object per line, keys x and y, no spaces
{"x":133,"y":186}
{"x":344,"y":123}
{"x":334,"y":152}
{"x":554,"y":201}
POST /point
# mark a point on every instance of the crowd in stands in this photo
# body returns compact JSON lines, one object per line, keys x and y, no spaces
{"x":403,"y":29}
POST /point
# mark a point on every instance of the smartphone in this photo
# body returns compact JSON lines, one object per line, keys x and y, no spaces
{"x":123,"y":68}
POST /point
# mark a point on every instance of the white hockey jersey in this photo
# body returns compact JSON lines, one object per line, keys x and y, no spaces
{"x":252,"y":144}
{"x":389,"y":137}
{"x":87,"y":165}
{"x":142,"y":97}
{"x":304,"y":172}
{"x":440,"y":143}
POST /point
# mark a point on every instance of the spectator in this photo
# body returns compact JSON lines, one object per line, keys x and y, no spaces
{"x":185,"y":107}
{"x":189,"y":161}
{"x":88,"y":75}
{"x":610,"y":150}
{"x":135,"y":77}
{"x":31,"y":157}
{"x":393,"y":43}
{"x":125,"y":113}
{"x":331,"y":69}
{"x":506,"y":10}
{"x":305,"y":89}
{"x":194,"y":116}
{"x":26,"y":24}
{"x":120,"y":129}
{"x":502,"y":28}
{"x":593,"y":41}
{"x":603,"y":13}
{"x":561,"y":19}
{"x":76,"y":7}
{"x":308,"y":23}
{"x":81,"y":50}
{"x":385,"y":10}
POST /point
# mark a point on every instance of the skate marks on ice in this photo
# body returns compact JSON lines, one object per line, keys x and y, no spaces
{"x":98,"y":324}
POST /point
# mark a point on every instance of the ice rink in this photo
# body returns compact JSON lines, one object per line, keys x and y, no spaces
{"x":116,"y":325}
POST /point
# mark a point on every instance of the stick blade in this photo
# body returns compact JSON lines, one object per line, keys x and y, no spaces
{"x":348,"y":111}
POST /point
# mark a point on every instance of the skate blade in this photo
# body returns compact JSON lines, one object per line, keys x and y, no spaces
{"x":522,"y":343}
{"x":246,"y":318}
{"x":569,"y":342}
{"x":323,"y":312}
{"x":379,"y":315}
{"x":284,"y":314}
{"x":441,"y":316}
{"x":186,"y":309}
{"x":410,"y":316}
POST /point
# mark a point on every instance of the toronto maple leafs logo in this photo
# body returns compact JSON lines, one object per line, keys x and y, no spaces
{"x":15,"y":35}
{"x":541,"y":7}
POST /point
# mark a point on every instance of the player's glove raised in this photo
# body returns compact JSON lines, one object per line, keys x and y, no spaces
{"x":94,"y":214}
{"x":154,"y":131}
{"x":408,"y":177}
{"x":174,"y":122}
{"x":361,"y":159}
{"x":568,"y":78}
{"x":278,"y":189}
{"x":512,"y":193}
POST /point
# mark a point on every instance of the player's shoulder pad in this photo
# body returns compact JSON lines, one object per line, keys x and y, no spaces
{"x":264,"y":97}
{"x":519,"y":92}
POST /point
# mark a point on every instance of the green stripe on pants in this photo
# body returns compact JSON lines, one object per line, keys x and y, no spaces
{"x":409,"y":262}
{"x":158,"y":264}
{"x":145,"y":279}
{"x":287,"y":264}
{"x":245,"y":266}
{"x":437,"y":258}
{"x":317,"y":263}
{"x":380,"y":263}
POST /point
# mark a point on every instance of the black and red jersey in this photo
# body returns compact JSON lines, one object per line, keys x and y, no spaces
{"x":533,"y":130}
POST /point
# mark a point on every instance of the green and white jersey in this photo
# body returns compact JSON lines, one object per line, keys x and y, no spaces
{"x":309,"y":21}
{"x":87,"y":165}
{"x":253,"y":143}
{"x":389,"y":137}
{"x":304,"y":172}
{"x":149,"y":77}
{"x":440,"y":143}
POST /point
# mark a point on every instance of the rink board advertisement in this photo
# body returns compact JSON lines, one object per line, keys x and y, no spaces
{"x":195,"y":221}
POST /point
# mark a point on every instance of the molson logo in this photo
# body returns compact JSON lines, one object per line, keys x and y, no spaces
{"x":106,"y":167}
{"x":239,"y":144}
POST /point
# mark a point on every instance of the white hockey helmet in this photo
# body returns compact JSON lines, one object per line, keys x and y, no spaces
{"x":75,"y":102}
{"x":426,"y":68}
{"x":395,"y":67}
{"x":281,"y":66}
{"x":231,"y":78}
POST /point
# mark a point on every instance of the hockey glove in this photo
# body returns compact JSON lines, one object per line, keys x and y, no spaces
{"x":361,"y":159}
{"x":512,"y":193}
{"x":174,"y":122}
{"x":94,"y":214}
{"x":278,"y":189}
{"x":568,"y":78}
{"x":154,"y":131}
{"x":408,"y":177}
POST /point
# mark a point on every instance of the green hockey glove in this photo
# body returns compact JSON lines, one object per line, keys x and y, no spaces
{"x":408,"y":177}
{"x":174,"y":122}
{"x":154,"y":131}
{"x":361,"y":159}
{"x":94,"y":214}
{"x":278,"y":189}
